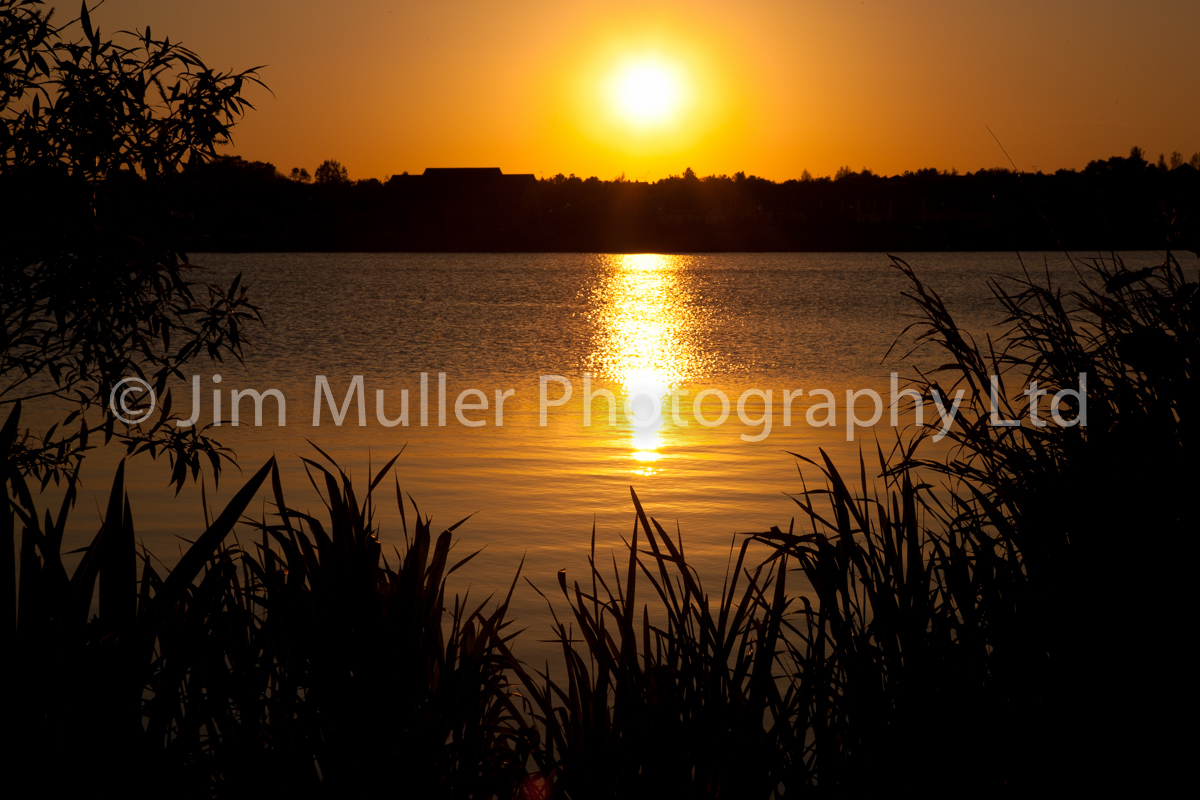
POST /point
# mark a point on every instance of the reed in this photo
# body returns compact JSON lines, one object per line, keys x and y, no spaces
{"x":962,"y":626}
{"x":951,"y":636}
{"x":685,"y":704}
{"x":936,"y":623}
{"x":303,"y":660}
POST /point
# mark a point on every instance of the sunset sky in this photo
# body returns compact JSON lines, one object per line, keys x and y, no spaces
{"x":770,"y":87}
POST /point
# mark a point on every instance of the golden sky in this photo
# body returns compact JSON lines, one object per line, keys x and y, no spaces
{"x":769,"y":87}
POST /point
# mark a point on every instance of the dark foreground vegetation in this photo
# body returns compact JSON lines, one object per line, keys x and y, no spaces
{"x":930,"y":624}
{"x":1011,"y":617}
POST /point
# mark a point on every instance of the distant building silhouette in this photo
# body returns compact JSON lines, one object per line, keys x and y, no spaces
{"x":477,"y":202}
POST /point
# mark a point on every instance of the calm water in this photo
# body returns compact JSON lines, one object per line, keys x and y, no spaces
{"x":640,"y":326}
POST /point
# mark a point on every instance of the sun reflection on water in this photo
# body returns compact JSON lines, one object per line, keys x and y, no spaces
{"x":646,"y":344}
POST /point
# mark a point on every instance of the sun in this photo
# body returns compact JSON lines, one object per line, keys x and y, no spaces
{"x":644,"y":102}
{"x":647,"y":92}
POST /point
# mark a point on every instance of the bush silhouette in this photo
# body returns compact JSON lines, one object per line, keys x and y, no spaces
{"x":96,"y":286}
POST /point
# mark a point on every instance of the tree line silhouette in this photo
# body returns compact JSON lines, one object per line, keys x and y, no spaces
{"x":1123,"y":202}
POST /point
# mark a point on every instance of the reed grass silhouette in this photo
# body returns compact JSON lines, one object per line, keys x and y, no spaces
{"x":934,"y":623}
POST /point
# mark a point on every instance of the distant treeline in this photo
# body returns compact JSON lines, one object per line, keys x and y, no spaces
{"x":1119,"y":203}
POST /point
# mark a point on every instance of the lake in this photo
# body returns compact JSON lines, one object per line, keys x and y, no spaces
{"x":656,"y":331}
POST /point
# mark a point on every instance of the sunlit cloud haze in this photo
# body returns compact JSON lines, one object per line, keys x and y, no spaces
{"x":769,"y":87}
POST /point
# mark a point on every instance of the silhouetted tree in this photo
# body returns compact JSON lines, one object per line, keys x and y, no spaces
{"x":331,"y":171}
{"x":96,"y":286}
{"x":300,"y":174}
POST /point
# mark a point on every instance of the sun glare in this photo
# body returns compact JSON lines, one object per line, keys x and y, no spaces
{"x":648,"y":102}
{"x":647,"y":92}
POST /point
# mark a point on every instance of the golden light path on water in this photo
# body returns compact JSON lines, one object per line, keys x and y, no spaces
{"x":645,"y":345}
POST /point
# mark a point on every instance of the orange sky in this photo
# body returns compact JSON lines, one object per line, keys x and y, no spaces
{"x":772,"y":87}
